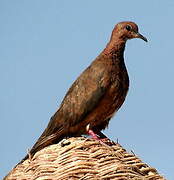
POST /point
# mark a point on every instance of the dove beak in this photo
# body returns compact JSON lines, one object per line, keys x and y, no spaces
{"x":138,"y":35}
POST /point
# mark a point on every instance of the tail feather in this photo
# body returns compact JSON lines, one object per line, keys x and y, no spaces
{"x":43,"y":142}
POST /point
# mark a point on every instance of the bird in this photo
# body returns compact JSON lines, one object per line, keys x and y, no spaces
{"x":96,"y":95}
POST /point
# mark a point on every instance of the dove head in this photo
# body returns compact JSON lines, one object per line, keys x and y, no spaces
{"x":126,"y":30}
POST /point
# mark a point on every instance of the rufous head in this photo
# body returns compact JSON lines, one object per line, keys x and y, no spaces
{"x":126,"y":30}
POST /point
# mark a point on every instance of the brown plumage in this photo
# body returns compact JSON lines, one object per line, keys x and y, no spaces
{"x":96,"y":94}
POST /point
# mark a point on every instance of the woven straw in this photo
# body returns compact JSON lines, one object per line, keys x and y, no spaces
{"x":84,"y":159}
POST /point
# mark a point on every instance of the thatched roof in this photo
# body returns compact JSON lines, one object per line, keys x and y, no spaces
{"x":84,"y":159}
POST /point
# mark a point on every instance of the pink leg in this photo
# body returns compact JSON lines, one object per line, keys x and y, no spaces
{"x":99,"y":136}
{"x":96,"y":137}
{"x":93,"y":135}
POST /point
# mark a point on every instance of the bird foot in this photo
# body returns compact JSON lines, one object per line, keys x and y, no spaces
{"x":97,"y":137}
{"x":93,"y":135}
{"x":100,"y":137}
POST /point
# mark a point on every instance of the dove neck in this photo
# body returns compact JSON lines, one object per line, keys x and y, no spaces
{"x":115,"y":49}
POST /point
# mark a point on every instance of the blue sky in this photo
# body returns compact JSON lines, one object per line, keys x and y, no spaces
{"x":45,"y":45}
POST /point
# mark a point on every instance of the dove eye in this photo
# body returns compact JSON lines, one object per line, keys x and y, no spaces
{"x":128,"y":27}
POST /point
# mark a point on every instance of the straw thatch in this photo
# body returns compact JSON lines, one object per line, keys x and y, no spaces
{"x":84,"y":159}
